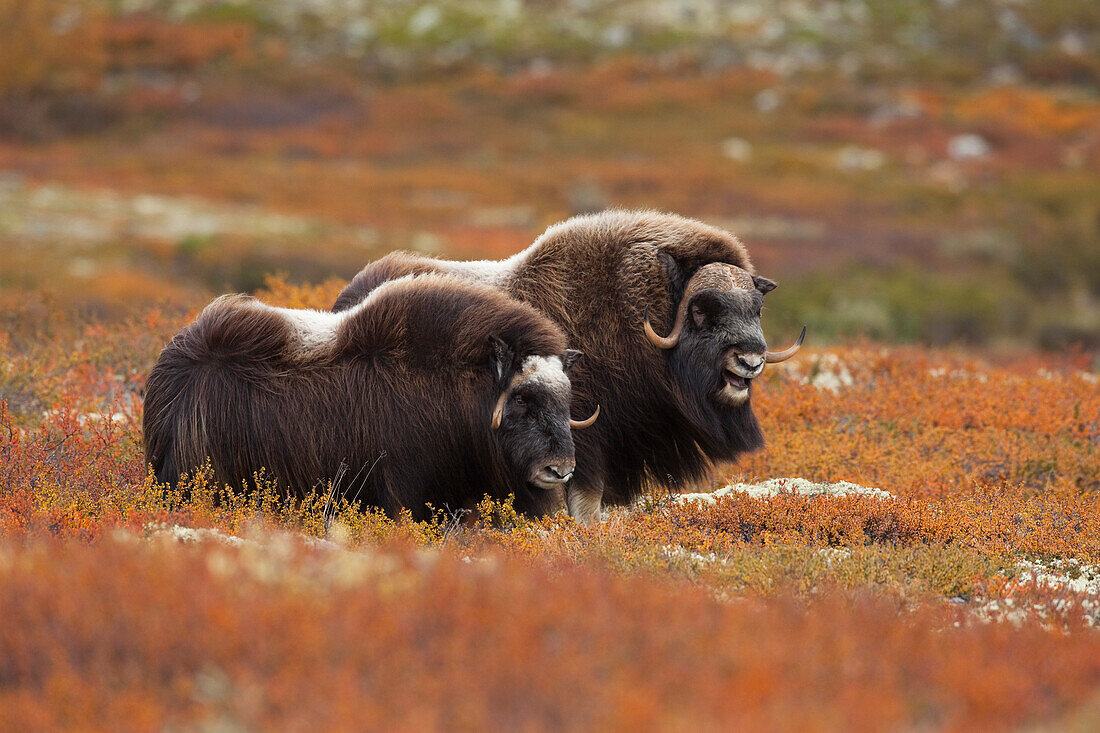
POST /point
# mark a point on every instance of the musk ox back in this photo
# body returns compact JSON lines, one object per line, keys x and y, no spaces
{"x":432,"y":389}
{"x":671,"y":405}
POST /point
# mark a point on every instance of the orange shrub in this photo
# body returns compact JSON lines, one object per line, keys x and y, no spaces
{"x":46,"y":48}
{"x":150,"y":635}
{"x":145,"y":41}
{"x":926,"y":424}
{"x":277,"y":291}
{"x":828,"y":613}
{"x":1029,"y":111}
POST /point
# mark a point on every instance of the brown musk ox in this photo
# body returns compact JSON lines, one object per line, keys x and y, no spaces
{"x":432,"y":390}
{"x":671,"y":406}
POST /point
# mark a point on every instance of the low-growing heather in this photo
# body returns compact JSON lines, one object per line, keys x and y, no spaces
{"x":132,"y":604}
{"x":123,"y":633}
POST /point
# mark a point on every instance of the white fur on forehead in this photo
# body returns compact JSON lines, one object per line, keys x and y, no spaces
{"x":546,"y":371}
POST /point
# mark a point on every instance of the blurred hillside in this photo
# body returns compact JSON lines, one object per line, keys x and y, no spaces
{"x":921,"y":171}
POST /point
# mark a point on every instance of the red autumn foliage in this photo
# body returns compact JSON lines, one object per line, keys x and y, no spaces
{"x":126,"y":605}
{"x":820,"y":612}
{"x":124,"y":635}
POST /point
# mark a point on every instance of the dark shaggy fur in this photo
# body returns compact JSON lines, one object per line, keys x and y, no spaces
{"x":412,"y":375}
{"x":594,"y":275}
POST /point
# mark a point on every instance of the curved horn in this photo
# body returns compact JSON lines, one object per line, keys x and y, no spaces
{"x":774,"y":357}
{"x":664,"y":342}
{"x":578,"y":424}
{"x":498,"y":411}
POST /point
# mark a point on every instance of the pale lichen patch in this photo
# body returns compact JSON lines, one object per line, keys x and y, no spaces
{"x":777,"y":486}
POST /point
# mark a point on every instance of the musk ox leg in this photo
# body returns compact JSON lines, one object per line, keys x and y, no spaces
{"x":584,"y":503}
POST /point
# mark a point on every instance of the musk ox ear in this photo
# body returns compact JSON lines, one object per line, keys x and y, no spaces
{"x":674,"y":274}
{"x":763,"y":284}
{"x":569,"y":358}
{"x":501,"y":358}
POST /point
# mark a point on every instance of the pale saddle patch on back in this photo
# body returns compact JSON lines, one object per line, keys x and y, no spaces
{"x":490,"y":272}
{"x":315,"y":332}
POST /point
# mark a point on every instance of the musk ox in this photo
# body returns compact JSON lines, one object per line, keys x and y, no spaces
{"x":432,"y":389}
{"x":671,"y":405}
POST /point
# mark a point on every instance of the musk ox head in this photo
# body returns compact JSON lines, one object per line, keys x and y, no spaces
{"x":531,"y":416}
{"x":719,"y":344}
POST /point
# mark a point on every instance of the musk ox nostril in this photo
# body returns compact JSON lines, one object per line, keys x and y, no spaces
{"x":561,"y":471}
{"x":752,"y":362}
{"x":555,"y":474}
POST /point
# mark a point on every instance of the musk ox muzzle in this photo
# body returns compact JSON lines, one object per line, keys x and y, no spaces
{"x":555,"y":474}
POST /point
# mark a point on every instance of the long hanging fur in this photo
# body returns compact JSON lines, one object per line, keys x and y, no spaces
{"x":594,"y":276}
{"x":402,"y":382}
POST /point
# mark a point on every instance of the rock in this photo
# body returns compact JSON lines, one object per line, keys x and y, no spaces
{"x":776,"y":486}
{"x":766,"y":101}
{"x":616,"y":36}
{"x":968,"y":147}
{"x":1074,"y":43}
{"x":424,"y":20}
{"x":855,"y":158}
{"x":824,"y":371}
{"x":736,"y":148}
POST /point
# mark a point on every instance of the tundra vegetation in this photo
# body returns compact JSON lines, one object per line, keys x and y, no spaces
{"x":923,"y":185}
{"x":837,"y":611}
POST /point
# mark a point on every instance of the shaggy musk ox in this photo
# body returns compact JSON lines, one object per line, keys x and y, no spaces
{"x":671,"y":405}
{"x":433,"y":389}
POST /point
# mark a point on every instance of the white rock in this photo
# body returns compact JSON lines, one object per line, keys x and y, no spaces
{"x":1073,"y":43}
{"x":82,"y":267}
{"x":968,"y":147}
{"x":191,"y":535}
{"x":767,"y":101}
{"x":1069,"y":576}
{"x":736,"y":148}
{"x":424,"y":20}
{"x":777,"y":486}
{"x":855,"y":158}
{"x":824,"y":371}
{"x":677,"y":552}
{"x":360,"y":30}
{"x":616,"y":36}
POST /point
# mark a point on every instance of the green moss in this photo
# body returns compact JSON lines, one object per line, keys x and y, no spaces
{"x":904,"y":304}
{"x":940,"y":570}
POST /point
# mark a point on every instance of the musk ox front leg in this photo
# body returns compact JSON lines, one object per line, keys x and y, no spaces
{"x":584,"y":502}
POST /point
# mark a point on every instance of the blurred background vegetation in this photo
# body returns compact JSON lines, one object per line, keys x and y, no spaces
{"x":921,"y":171}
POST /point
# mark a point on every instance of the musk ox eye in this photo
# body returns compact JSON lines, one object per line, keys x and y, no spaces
{"x":698,"y":316}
